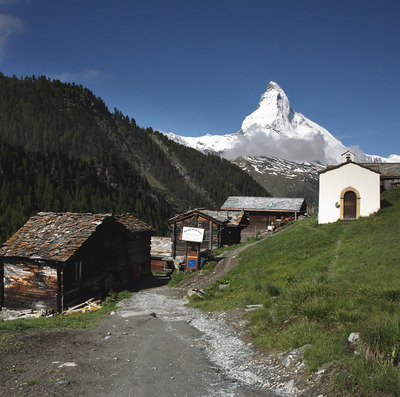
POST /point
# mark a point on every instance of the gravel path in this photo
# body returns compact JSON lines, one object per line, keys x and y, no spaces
{"x":232,"y":369}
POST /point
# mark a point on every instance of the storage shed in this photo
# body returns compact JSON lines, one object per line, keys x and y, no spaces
{"x":261,"y":212}
{"x":57,"y":260}
{"x":161,"y":253}
{"x":220,"y":228}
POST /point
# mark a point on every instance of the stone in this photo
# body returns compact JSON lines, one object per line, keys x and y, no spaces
{"x":200,"y":293}
{"x":354,"y":337}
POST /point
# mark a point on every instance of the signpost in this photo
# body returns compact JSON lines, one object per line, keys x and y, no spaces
{"x":192,"y":235}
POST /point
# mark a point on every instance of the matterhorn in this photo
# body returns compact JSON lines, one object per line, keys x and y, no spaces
{"x":280,"y":148}
{"x":274,"y":129}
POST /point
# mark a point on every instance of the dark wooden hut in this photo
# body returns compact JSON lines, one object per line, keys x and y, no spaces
{"x":220,"y":228}
{"x":57,"y":260}
{"x":263,"y":212}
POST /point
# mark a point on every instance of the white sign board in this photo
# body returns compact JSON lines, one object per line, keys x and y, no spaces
{"x":193,"y":234}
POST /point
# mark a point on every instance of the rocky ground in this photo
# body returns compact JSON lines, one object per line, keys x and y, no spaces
{"x":154,"y":345}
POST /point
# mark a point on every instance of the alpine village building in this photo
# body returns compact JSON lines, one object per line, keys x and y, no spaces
{"x":57,"y":260}
{"x":220,"y":228}
{"x":348,"y":191}
{"x":263,"y":213}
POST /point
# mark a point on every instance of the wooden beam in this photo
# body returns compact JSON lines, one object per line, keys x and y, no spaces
{"x":1,"y":283}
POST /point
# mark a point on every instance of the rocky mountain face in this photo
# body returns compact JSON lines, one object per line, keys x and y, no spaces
{"x":283,"y":178}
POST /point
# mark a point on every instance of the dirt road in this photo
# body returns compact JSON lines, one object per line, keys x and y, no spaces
{"x":153,"y":346}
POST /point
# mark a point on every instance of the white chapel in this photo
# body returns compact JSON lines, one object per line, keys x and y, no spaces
{"x":347,"y":191}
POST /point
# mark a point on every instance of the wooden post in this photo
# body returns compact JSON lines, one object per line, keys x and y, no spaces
{"x":211,"y":236}
{"x":186,"y":256}
{"x":60,"y":292}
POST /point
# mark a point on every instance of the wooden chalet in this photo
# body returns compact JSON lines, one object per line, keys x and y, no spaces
{"x":263,"y":212}
{"x":220,"y":228}
{"x":57,"y":260}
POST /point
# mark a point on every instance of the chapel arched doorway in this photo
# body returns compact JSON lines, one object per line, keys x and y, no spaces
{"x":350,"y":205}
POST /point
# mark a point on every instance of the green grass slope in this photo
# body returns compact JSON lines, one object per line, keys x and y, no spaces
{"x":319,"y":283}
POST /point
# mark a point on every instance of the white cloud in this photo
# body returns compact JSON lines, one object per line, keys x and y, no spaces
{"x":286,"y":148}
{"x":9,"y":26}
{"x":88,"y":75}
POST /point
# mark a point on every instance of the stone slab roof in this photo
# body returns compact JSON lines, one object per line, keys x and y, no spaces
{"x":57,"y":236}
{"x":387,"y":170}
{"x":52,"y":236}
{"x":263,"y":203}
{"x":161,"y":247}
{"x":133,"y":224}
{"x":230,"y":218}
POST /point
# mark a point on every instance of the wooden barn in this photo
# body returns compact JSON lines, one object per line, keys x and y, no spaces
{"x":263,"y":212}
{"x":220,"y":228}
{"x":57,"y":260}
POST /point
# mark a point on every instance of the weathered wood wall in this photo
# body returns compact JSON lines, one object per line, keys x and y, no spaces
{"x":103,"y":264}
{"x":139,"y":254}
{"x":258,"y":221}
{"x":231,"y":235}
{"x":159,"y":265}
{"x":30,"y":285}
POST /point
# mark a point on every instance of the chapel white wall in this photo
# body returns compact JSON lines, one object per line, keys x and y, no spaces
{"x":332,"y":183}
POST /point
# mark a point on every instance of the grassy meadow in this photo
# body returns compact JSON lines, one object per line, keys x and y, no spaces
{"x":319,"y":283}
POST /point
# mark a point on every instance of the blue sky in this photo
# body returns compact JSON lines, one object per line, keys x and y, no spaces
{"x":200,"y":66}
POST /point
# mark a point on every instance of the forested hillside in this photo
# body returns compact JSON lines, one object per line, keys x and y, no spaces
{"x":61,"y":149}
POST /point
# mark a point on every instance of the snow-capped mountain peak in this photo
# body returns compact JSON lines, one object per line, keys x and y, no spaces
{"x":274,"y":129}
{"x":273,"y":111}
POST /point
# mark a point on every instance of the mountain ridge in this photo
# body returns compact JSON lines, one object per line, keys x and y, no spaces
{"x":61,"y":149}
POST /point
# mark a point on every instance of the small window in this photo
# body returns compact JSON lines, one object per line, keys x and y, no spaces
{"x":78,"y":270}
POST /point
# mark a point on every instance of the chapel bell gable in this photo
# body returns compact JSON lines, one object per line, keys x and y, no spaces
{"x":348,"y":157}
